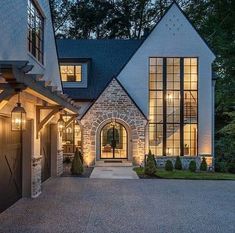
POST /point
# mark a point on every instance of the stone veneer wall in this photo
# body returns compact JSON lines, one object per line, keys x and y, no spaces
{"x":161,"y":160}
{"x":36,"y":176}
{"x":59,"y":162}
{"x":114,"y":102}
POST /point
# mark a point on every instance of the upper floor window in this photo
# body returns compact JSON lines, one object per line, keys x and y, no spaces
{"x":35,"y":31}
{"x":173,"y":106}
{"x":71,"y":73}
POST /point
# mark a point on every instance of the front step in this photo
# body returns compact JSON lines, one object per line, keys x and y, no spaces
{"x":113,"y":163}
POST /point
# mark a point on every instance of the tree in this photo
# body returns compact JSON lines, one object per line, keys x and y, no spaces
{"x":60,"y":10}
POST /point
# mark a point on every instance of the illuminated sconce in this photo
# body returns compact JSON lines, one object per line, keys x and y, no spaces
{"x":61,"y":124}
{"x":18,"y":117}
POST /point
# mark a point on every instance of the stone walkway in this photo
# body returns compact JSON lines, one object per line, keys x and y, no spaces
{"x":114,"y":173}
{"x":82,"y":205}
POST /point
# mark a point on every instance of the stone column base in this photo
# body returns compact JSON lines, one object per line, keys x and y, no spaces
{"x":59,"y":162}
{"x":36,"y":176}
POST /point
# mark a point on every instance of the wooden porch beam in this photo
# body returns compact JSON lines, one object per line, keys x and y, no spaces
{"x":40,"y":123}
{"x":73,"y":116}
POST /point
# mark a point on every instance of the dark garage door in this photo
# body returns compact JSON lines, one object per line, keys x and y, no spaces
{"x":10,"y":165}
{"x":46,"y":152}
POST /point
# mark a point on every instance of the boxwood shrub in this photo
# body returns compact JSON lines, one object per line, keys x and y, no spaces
{"x":203,"y":166}
{"x":169,"y":165}
{"x":178,"y":163}
{"x":192,"y":166}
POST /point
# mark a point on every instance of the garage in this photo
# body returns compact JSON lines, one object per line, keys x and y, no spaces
{"x":10,"y":165}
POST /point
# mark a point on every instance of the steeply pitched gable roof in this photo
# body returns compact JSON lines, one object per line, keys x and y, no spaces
{"x":107,"y":59}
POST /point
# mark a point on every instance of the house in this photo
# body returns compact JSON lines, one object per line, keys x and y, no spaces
{"x":154,"y":94}
{"x":32,"y":103}
{"x":113,"y":99}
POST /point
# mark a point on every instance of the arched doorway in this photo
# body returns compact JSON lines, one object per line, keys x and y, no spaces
{"x":113,"y":140}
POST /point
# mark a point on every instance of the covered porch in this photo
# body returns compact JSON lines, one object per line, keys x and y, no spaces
{"x":30,"y":135}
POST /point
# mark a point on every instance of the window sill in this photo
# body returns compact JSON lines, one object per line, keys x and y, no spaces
{"x":74,"y":84}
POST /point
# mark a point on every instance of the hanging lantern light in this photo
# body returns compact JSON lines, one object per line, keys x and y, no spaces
{"x":18,"y":117}
{"x":61,"y":124}
{"x":76,"y":128}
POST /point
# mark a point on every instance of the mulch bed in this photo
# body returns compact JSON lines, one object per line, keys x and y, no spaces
{"x":148,"y":177}
{"x":66,"y":171}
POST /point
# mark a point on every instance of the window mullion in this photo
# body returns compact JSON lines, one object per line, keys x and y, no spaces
{"x":164,"y":105}
{"x":181,"y":106}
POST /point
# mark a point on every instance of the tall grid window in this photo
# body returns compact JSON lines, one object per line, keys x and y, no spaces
{"x":156,"y":105}
{"x":190,"y":106}
{"x":173,"y":106}
{"x":172,"y":103}
{"x":35,"y":31}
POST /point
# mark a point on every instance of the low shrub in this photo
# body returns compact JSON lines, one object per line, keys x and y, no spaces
{"x":77,"y":167}
{"x":221,"y":166}
{"x":192,"y":166}
{"x":203,"y":166}
{"x":169,"y":165}
{"x":231,"y":167}
{"x":178,"y":163}
{"x":80,"y":155}
{"x":150,"y":165}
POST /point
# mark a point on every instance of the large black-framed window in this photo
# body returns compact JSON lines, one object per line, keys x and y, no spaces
{"x":35,"y":31}
{"x":173,"y":106}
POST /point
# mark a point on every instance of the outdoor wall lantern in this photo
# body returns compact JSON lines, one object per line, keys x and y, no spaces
{"x":18,"y":117}
{"x":61,"y":124}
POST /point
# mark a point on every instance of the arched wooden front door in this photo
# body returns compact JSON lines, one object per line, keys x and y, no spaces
{"x":113,"y":141}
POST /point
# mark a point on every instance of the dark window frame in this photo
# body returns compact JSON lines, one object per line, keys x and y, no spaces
{"x":182,"y":110}
{"x":35,"y":36}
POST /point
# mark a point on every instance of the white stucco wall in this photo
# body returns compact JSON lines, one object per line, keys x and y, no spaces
{"x":174,"y":36}
{"x":13,"y":38}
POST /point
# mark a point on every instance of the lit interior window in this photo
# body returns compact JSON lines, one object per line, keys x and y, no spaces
{"x":71,"y":73}
{"x":173,"y":106}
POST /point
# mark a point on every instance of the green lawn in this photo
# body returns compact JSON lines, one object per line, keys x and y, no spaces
{"x":176,"y":174}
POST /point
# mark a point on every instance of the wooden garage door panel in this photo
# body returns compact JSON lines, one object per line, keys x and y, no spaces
{"x":10,"y":165}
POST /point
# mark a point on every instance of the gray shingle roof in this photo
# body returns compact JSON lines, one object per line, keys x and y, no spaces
{"x":107,"y":59}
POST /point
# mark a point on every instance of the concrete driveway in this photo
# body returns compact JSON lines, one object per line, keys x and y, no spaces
{"x":74,"y":205}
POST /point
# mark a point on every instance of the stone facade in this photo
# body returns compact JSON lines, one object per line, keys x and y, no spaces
{"x":36,"y":176}
{"x":59,"y":162}
{"x":114,"y":102}
{"x":185,"y":161}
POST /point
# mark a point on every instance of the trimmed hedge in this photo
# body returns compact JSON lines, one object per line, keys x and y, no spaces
{"x":178,"y":163}
{"x":203,"y":166}
{"x":192,"y":166}
{"x":169,"y":165}
{"x":150,"y":166}
{"x":77,"y":167}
